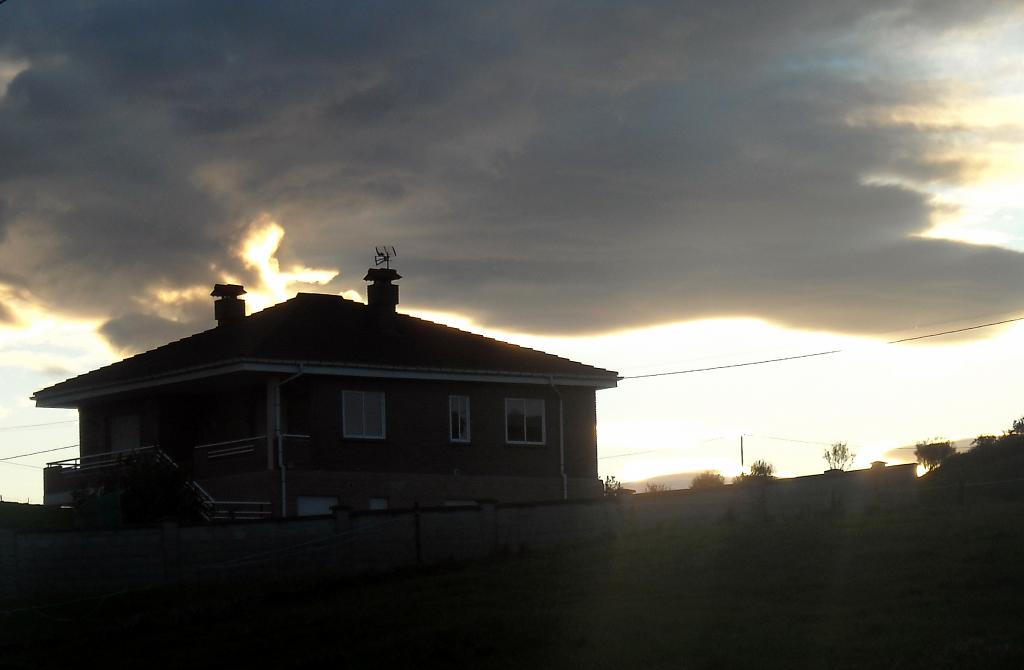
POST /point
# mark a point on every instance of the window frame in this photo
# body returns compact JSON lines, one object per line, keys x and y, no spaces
{"x":543,"y":422}
{"x":345,"y":431}
{"x":462,"y":439}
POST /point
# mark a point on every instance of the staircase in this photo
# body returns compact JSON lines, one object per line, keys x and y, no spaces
{"x":76,"y":473}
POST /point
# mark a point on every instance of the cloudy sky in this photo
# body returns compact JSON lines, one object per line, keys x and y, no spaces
{"x":643,"y":186}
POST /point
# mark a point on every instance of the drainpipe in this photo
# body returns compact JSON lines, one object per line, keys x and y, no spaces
{"x":279,"y":437}
{"x":561,"y":439}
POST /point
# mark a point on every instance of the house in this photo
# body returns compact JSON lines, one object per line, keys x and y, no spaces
{"x":321,"y":401}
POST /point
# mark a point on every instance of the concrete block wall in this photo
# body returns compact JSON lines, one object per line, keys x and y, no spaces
{"x":361,"y":542}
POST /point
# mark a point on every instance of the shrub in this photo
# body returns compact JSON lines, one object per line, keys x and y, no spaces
{"x":760,"y":471}
{"x":707,"y":480}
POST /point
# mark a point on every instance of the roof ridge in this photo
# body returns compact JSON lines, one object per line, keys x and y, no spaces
{"x":328,"y":326}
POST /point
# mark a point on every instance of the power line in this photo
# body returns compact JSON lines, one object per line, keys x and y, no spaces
{"x":733,"y":365}
{"x":819,"y":353}
{"x":44,"y":451}
{"x":789,"y":439}
{"x":37,"y":425}
{"x":634,"y":453}
{"x":769,"y":350}
{"x":22,"y":465}
{"x":958,"y":330}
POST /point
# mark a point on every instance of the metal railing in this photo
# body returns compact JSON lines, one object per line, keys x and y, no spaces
{"x":231,"y":443}
{"x":105,"y":460}
{"x":231,"y":510}
{"x":212,"y":508}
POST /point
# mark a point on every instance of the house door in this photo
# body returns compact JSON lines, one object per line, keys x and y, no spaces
{"x":125,"y":432}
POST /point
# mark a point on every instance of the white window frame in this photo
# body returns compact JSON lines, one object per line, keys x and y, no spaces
{"x":543,"y":420}
{"x":452,"y":400}
{"x":346,"y":432}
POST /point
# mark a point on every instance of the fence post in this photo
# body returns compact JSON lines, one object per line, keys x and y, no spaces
{"x":612,"y":516}
{"x":8,"y":564}
{"x":343,"y":548}
{"x":416,"y":528}
{"x":342,"y":519}
{"x":171,"y":543}
{"x":489,"y":527}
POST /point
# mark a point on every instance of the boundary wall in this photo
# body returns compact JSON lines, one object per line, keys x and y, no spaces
{"x":354,"y":543}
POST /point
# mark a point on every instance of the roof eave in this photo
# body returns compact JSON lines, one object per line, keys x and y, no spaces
{"x":72,"y":398}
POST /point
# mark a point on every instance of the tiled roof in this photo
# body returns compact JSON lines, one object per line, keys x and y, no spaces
{"x":330,"y":329}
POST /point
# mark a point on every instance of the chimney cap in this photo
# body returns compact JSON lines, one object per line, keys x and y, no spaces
{"x":227,"y":290}
{"x":381,"y":274}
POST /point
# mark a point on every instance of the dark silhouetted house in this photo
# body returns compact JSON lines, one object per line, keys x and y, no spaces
{"x":320,"y":401}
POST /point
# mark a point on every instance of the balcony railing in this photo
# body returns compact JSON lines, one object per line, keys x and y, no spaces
{"x":104,"y":460}
{"x":246,"y":454}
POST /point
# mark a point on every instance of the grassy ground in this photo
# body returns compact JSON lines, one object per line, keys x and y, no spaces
{"x":939,"y":588}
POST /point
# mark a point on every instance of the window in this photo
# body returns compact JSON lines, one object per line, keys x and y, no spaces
{"x":458,"y":418}
{"x":378,"y":503}
{"x":362,"y":414}
{"x":316,"y":505}
{"x":524,"y":420}
{"x":295,"y":410}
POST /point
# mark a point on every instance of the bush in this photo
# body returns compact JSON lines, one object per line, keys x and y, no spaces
{"x":707,"y":480}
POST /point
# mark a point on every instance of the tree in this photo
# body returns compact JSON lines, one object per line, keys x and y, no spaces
{"x":612,"y":486}
{"x":760,"y":471}
{"x":931,"y":454}
{"x":984,"y":442}
{"x":838,"y":456}
{"x":655,"y":487}
{"x":1018,"y":427}
{"x":707,"y":480}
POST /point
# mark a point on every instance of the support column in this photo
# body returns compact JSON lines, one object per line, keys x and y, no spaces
{"x":270,"y":428}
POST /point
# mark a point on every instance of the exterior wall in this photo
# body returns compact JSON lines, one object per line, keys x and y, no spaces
{"x":177,"y":422}
{"x":96,"y":420}
{"x":417,"y":431}
{"x":400,"y":489}
{"x":415,"y":462}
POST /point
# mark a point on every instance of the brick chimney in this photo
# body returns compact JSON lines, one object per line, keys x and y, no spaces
{"x":382,"y":295}
{"x":228,"y":307}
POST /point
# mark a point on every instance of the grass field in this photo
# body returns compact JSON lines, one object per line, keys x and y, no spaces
{"x":928,"y":588}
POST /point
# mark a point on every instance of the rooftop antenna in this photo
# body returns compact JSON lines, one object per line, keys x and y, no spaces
{"x":383,"y":256}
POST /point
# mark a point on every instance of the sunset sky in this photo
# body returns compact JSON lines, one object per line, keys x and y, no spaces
{"x":646,"y":187}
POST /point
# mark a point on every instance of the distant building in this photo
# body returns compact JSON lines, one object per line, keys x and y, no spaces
{"x":322,"y":401}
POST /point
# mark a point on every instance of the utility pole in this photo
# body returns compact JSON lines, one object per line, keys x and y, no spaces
{"x":741,"y":452}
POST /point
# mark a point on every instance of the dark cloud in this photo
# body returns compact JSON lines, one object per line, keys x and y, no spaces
{"x":556,"y":168}
{"x":135,"y":332}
